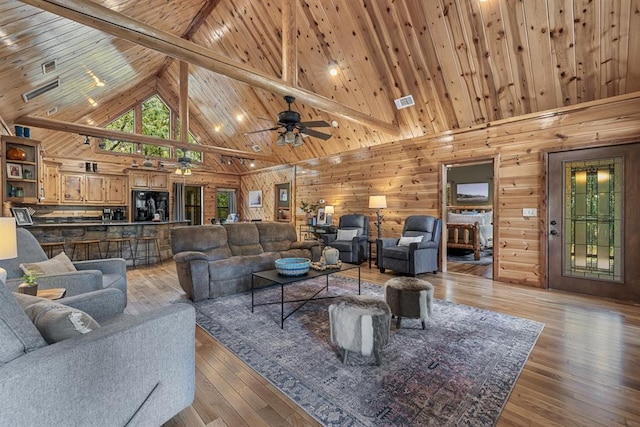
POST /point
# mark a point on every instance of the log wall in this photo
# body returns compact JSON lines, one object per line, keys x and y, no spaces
{"x":410,"y":174}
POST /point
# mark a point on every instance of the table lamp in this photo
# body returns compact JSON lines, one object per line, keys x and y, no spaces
{"x":328,"y":212}
{"x":8,"y":243}
{"x":378,"y":202}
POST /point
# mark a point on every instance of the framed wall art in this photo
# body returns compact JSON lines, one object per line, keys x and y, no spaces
{"x":255,"y":199}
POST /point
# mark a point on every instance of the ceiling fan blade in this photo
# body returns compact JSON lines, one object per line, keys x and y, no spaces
{"x":316,"y":124}
{"x":261,"y":130}
{"x":315,"y":133}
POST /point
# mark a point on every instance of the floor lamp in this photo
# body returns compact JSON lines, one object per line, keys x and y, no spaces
{"x":378,"y":202}
{"x":8,"y":243}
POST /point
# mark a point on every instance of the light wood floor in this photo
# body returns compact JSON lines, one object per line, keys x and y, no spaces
{"x":584,"y":370}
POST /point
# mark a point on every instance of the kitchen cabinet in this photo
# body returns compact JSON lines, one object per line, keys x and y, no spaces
{"x":94,"y":189}
{"x":116,"y":188}
{"x":146,"y":180}
{"x":50,"y":183}
{"x":20,"y":166}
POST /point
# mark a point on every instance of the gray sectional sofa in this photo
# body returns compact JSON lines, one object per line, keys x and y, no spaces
{"x":125,"y":370}
{"x":217,"y":260}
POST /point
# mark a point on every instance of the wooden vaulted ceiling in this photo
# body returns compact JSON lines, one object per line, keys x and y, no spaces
{"x":465,"y":62}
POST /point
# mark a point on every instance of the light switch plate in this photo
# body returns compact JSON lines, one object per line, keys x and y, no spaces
{"x":529,"y":212}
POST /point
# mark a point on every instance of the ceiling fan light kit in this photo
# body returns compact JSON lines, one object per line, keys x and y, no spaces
{"x":291,"y":128}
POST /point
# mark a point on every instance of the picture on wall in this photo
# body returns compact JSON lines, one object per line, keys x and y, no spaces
{"x":472,"y":192}
{"x":255,"y":199}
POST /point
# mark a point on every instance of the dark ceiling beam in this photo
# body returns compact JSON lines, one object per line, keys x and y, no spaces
{"x":96,"y":132}
{"x":96,"y":16}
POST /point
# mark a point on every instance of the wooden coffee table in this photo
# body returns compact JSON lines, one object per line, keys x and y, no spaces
{"x":53,"y":293}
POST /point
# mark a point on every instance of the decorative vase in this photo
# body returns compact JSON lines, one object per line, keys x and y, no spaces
{"x":331,"y":255}
{"x":25,"y":288}
{"x":15,"y":153}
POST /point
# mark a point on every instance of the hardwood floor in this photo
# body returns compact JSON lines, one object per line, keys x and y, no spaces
{"x":584,"y":370}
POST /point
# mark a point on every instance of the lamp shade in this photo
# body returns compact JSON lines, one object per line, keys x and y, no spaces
{"x":329,"y":209}
{"x":8,"y":242}
{"x":377,"y":202}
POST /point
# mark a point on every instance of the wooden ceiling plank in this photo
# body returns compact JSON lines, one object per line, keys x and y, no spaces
{"x":632,"y":57}
{"x":192,"y":29}
{"x":88,"y":13}
{"x":452,"y":75}
{"x":462,"y":46}
{"x":521,"y":60}
{"x":613,"y":45}
{"x":498,"y":51}
{"x":587,"y":29}
{"x":98,"y":132}
{"x":563,"y":50}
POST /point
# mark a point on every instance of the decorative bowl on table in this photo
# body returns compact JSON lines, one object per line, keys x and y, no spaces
{"x":293,"y":266}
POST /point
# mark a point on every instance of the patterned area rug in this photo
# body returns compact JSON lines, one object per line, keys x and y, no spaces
{"x":460,"y":371}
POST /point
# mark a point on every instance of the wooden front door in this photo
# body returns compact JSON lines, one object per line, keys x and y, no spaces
{"x":593,"y":222}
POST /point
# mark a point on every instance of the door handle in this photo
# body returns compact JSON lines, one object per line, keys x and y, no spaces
{"x":554,"y":232}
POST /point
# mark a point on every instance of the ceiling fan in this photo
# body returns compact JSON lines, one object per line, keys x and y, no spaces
{"x":292,"y":129}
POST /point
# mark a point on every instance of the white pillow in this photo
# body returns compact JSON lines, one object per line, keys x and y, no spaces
{"x":346,"y":234}
{"x":406,"y":241}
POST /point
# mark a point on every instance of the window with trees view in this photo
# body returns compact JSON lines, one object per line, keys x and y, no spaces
{"x":156,"y":120}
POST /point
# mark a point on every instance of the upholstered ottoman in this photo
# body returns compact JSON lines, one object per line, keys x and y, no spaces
{"x":409,"y":297}
{"x":360,"y":323}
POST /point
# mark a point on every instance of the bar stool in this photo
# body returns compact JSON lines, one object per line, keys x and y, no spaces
{"x":147,"y":240}
{"x":119,"y":243}
{"x":49,"y":247}
{"x":84,"y":245}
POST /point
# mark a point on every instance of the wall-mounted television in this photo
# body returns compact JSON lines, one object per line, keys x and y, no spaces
{"x":472,"y":192}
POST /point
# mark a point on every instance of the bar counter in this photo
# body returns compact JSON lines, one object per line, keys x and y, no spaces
{"x":67,"y":232}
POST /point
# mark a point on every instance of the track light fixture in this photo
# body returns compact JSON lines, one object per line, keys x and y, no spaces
{"x":87,"y":141}
{"x":229,"y":160}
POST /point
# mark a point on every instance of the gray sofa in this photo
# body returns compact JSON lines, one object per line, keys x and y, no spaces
{"x":412,"y":258}
{"x":92,"y":275}
{"x":131,"y":370}
{"x":217,"y":260}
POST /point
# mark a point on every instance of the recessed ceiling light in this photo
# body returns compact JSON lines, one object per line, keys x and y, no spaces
{"x":334,"y":69}
{"x":240,"y":117}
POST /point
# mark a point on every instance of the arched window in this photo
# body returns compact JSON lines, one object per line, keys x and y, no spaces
{"x":155,"y":120}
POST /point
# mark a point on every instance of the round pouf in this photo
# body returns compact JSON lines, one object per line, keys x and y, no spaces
{"x":409,"y":297}
{"x":360,"y":323}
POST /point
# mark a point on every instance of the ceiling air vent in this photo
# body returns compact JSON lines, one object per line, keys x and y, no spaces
{"x":404,"y":102}
{"x":256,"y":148}
{"x":41,"y":90}
{"x":52,"y":111}
{"x":49,"y":66}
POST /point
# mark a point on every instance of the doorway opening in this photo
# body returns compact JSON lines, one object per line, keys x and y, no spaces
{"x":193,"y":204}
{"x":468,"y":218}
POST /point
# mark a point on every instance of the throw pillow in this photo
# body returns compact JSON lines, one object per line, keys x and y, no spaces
{"x":56,"y":265}
{"x":406,"y":241}
{"x":57,"y":322}
{"x":17,"y":334}
{"x":346,"y":234}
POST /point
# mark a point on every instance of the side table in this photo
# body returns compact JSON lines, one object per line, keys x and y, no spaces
{"x":53,"y":293}
{"x":372,"y":242}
